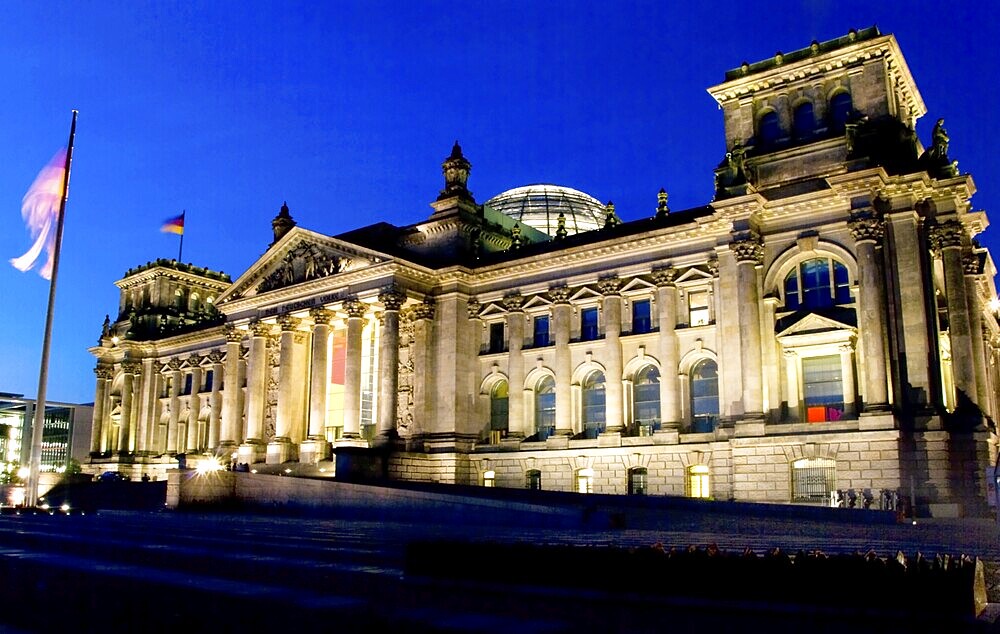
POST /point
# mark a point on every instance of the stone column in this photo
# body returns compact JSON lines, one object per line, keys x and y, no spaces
{"x":232,"y":398}
{"x":847,"y":379}
{"x":215,"y":400}
{"x":515,"y":366}
{"x":614,"y":404}
{"x":868,"y":230}
{"x":423,"y":365}
{"x":749,"y":255}
{"x":392,"y":300}
{"x":792,"y":397}
{"x":562,"y":315}
{"x":148,"y":411}
{"x":666,"y":302}
{"x":315,"y":447}
{"x":251,"y":449}
{"x":970,"y":263}
{"x":949,"y":238}
{"x":352,"y":369}
{"x":104,"y":375}
{"x":194,"y":441}
{"x":281,"y":448}
{"x":129,"y":369}
{"x":174,"y":365}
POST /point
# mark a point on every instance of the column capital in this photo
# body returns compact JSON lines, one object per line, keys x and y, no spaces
{"x":424,"y":310}
{"x":355,"y":308}
{"x":216,"y":356}
{"x":173,"y":364}
{"x":133,"y":367}
{"x":473,"y":308}
{"x":260,"y":328}
{"x":712,"y":264}
{"x":970,"y":262}
{"x":748,"y":249}
{"x":232,"y":333}
{"x":392,"y":298}
{"x":664,"y":275}
{"x":866,"y":226}
{"x":513,"y":302}
{"x":104,"y":371}
{"x":790,"y":354}
{"x":559,"y":294}
{"x":288,"y":323}
{"x":321,"y":316}
{"x":194,"y":359}
{"x":610,"y":285}
{"x":948,"y":234}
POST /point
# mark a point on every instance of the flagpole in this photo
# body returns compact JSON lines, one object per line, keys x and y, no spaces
{"x":37,"y":426}
{"x":181,"y":249}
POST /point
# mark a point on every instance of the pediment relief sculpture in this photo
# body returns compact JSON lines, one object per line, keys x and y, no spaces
{"x":304,"y":263}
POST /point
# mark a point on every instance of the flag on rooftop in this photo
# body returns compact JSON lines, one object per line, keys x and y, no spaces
{"x":40,"y":210}
{"x":174,"y":225}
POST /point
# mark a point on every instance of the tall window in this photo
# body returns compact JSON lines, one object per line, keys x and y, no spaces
{"x":637,"y":481}
{"x":823,"y":385}
{"x":646,"y":399}
{"x":209,"y":378}
{"x":769,"y":128}
{"x":804,"y":120}
{"x":540,"y":337}
{"x":585,"y":480}
{"x":817,"y":283}
{"x":498,"y":412}
{"x":840,"y":110}
{"x":698,"y":308}
{"x":188,"y":382}
{"x":545,"y":407}
{"x":593,"y":404}
{"x":641,"y":317}
{"x":588,"y":324}
{"x":704,"y":395}
{"x":496,"y":337}
{"x":698,"y":485}
{"x":813,"y":479}
{"x":533,"y":480}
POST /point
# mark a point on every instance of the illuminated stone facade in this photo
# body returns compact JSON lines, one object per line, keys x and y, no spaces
{"x":826,"y":323}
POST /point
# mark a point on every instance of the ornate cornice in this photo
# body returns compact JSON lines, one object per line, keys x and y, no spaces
{"x":970,"y":262}
{"x":134,"y":367}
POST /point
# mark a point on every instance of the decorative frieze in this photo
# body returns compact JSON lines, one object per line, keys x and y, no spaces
{"x":174,"y":364}
{"x":216,"y":356}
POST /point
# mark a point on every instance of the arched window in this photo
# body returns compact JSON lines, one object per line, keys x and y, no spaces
{"x":813,"y":479}
{"x":646,"y":399}
{"x":545,"y":407}
{"x":841,"y":107}
{"x":593,"y":404}
{"x":585,"y":480}
{"x":817,"y":283}
{"x":769,"y":128}
{"x":698,"y":484}
{"x":533,"y":480}
{"x":704,"y":395}
{"x":637,"y":481}
{"x":804,"y":120}
{"x":498,"y":412}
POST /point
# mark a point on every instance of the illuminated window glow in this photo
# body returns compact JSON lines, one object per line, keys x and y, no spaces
{"x":699,"y":485}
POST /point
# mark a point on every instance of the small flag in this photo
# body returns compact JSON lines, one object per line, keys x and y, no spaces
{"x":40,"y":210}
{"x":174,"y":225}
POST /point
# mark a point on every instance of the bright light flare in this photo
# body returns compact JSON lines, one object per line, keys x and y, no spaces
{"x":23,"y":472}
{"x":208,"y":466}
{"x":995,"y":304}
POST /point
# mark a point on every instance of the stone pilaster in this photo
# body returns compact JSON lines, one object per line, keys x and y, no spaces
{"x":423,"y":364}
{"x":562,"y":315}
{"x":868,"y":229}
{"x":792,"y":397}
{"x":847,"y":378}
{"x":970,"y":263}
{"x":666,"y":303}
{"x":749,"y":255}
{"x":515,"y":366}
{"x":949,"y":238}
{"x":194,"y":433}
{"x":392,"y":300}
{"x":104,"y":375}
{"x":614,"y":404}
{"x":315,"y":447}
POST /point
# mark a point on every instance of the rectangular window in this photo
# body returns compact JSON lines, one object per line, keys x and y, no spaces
{"x":188,"y":378}
{"x":823,"y":387}
{"x":540,"y":337}
{"x":496,"y":337}
{"x":209,"y":378}
{"x":812,"y":479}
{"x":698,"y":308}
{"x":641,"y":317}
{"x":588,"y":324}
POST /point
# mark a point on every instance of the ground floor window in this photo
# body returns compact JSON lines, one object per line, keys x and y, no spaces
{"x":813,"y":479}
{"x":489,"y":479}
{"x":533,"y":480}
{"x":637,"y":481}
{"x":698,"y":483}
{"x":585,"y":480}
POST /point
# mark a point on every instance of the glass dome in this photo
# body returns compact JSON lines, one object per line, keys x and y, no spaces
{"x":539,"y":206}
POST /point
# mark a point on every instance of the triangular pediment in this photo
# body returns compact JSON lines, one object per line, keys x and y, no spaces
{"x":585,"y":293}
{"x":492,"y":309}
{"x":813,"y":323}
{"x":300,"y":256}
{"x":536,"y":301}
{"x":638,"y":284}
{"x":693,"y":274}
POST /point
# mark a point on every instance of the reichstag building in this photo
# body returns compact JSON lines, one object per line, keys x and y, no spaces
{"x":826,"y":323}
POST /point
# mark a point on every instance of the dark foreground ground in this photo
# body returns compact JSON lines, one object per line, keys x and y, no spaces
{"x":162,"y":571}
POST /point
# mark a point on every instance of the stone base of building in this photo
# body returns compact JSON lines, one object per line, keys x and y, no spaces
{"x":876,"y":420}
{"x":313,"y":451}
{"x":281,"y":450}
{"x":358,"y":464}
{"x":251,"y":452}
